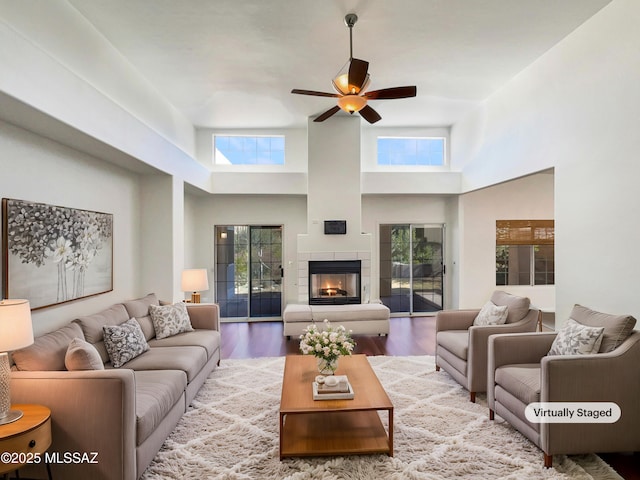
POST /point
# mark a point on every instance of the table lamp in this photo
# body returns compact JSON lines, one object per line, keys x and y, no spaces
{"x":16,"y":332}
{"x":195,"y":280}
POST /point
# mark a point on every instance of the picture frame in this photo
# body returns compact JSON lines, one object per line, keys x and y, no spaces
{"x":53,"y":255}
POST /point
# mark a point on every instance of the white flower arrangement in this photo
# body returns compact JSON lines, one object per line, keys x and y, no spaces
{"x":328,"y":343}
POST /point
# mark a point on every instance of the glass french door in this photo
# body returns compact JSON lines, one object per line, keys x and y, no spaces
{"x":412,"y":267}
{"x":248,"y":281}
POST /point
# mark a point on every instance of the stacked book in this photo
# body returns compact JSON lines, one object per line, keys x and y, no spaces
{"x":338,"y":389}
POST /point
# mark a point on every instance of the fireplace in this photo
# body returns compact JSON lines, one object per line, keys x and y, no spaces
{"x":335,"y":282}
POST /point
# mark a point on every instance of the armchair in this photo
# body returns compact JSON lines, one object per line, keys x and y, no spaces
{"x":462,"y":347}
{"x":521,"y":372}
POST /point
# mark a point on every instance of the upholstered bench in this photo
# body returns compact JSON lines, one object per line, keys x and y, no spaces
{"x":363,"y":318}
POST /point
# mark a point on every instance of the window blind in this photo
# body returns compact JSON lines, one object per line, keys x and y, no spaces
{"x":524,"y":232}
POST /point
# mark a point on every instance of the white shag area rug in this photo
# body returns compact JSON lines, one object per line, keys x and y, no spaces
{"x":231,"y":432}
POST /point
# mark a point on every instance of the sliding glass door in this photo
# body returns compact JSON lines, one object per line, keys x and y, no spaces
{"x":249,"y":271}
{"x":411,"y":267}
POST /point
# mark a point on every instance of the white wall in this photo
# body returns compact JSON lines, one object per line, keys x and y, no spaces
{"x":576,"y":109}
{"x":40,"y":170}
{"x":289,"y":211}
{"x":76,"y":50}
{"x":529,"y":198}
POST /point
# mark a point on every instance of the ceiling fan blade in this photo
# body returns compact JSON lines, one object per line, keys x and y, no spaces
{"x":314,"y":93}
{"x":391,"y":93}
{"x":357,"y":74}
{"x":327,"y":114}
{"x":369,"y":114}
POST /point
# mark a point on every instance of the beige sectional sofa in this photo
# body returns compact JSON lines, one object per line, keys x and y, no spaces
{"x":122,"y":414}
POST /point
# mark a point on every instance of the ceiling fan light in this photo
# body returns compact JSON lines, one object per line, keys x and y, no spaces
{"x":352,"y":103}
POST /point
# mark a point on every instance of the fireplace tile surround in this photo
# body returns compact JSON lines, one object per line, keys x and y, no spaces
{"x":303,"y":271}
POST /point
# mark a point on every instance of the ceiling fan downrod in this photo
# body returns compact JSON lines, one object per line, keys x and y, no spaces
{"x":350,"y":20}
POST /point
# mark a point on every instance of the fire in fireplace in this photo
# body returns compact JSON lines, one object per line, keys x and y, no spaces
{"x":334,"y":282}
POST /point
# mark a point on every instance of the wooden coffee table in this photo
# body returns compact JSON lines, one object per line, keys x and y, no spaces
{"x":333,"y":427}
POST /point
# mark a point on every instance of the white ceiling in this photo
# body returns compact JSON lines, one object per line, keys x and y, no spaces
{"x":233,"y":63}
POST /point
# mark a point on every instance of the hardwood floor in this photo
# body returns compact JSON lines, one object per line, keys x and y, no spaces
{"x":408,"y":336}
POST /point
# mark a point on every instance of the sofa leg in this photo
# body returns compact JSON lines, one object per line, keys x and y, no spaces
{"x":492,"y":414}
{"x":548,"y":461}
{"x":472,"y":397}
{"x":437,"y":368}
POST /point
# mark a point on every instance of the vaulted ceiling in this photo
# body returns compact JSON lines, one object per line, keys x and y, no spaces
{"x":232,"y":64}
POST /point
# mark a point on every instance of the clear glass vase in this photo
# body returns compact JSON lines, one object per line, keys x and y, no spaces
{"x":327,"y":367}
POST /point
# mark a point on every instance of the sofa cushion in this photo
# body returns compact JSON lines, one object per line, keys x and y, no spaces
{"x":47,"y":351}
{"x":207,"y":339}
{"x":297,"y":313}
{"x":616,"y":327}
{"x":92,"y":326}
{"x":346,"y":313}
{"x":124,"y":342}
{"x":517,"y":307}
{"x":188,"y":359}
{"x":157,"y":391}
{"x":491,"y":314}
{"x":522,"y":381}
{"x":170,"y":320}
{"x":576,"y":339}
{"x":82,"y":355}
{"x":139,"y":309}
{"x":455,"y":341}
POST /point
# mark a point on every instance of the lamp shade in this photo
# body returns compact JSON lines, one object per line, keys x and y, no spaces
{"x":352,"y":103}
{"x":195,"y":280}
{"x":16,"y":330}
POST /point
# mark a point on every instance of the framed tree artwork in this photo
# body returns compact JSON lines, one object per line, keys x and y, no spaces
{"x":55,"y":254}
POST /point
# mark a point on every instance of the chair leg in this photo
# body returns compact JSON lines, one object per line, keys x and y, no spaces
{"x":472,"y":397}
{"x":492,"y":414}
{"x":548,"y":461}
{"x":437,"y":368}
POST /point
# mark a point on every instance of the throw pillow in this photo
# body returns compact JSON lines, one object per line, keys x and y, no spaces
{"x":81,"y":355}
{"x":491,"y":314}
{"x":577,"y":339}
{"x":170,"y":320}
{"x":124,"y":342}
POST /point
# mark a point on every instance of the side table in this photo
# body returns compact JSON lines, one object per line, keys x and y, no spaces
{"x":25,"y":440}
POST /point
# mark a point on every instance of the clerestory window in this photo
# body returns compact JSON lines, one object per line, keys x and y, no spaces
{"x":411,"y":151}
{"x":248,"y":150}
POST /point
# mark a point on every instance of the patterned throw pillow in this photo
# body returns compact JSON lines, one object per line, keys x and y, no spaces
{"x":491,"y":314}
{"x":124,"y":342}
{"x":577,"y":339}
{"x":170,"y":320}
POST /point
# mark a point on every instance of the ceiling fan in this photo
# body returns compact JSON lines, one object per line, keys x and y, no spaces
{"x":351,"y":83}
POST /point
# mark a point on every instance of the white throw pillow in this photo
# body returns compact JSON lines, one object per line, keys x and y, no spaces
{"x":577,"y":339}
{"x":491,"y":314}
{"x":124,"y":342}
{"x":170,"y":320}
{"x":81,"y":355}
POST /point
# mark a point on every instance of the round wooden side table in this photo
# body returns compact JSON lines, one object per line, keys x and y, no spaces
{"x":25,"y":440}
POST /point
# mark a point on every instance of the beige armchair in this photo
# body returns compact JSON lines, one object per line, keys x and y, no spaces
{"x":462,"y":347}
{"x":521,"y":372}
